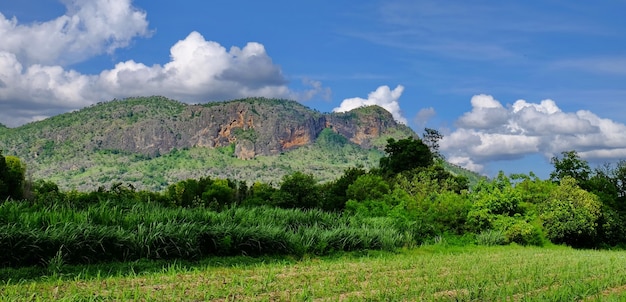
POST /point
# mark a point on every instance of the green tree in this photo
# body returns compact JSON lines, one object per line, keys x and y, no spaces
{"x":445,"y":180}
{"x":218,"y":194}
{"x":260,"y":194}
{"x":491,"y":200}
{"x":431,"y":138}
{"x":368,"y":187}
{"x":12,"y":177}
{"x":184,"y":193}
{"x":570,"y":164}
{"x":405,"y":154}
{"x":620,"y":183}
{"x":603,"y":183}
{"x":298,"y":190}
{"x":533,"y":191}
{"x":4,"y":177}
{"x":571,"y":215}
{"x":334,"y":192}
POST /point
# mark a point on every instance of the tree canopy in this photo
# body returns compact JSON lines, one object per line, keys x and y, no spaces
{"x":570,"y":164}
{"x":405,"y":154}
{"x":12,"y":177}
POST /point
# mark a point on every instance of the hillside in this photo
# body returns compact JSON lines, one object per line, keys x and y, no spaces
{"x":151,"y":142}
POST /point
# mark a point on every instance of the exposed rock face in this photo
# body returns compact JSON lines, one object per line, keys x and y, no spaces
{"x":245,"y":149}
{"x":363,"y":125}
{"x":254,"y":126}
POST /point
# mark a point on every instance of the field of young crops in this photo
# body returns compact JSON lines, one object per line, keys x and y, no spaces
{"x":429,"y":273}
{"x":110,"y":231}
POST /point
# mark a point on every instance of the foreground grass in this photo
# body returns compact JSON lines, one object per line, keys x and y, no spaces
{"x":432,"y":273}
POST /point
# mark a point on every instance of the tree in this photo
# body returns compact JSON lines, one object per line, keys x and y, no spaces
{"x":298,"y":190}
{"x":4,"y":176}
{"x":218,"y":194}
{"x":603,"y":183}
{"x":405,"y":154}
{"x":571,"y":215}
{"x":445,"y":180}
{"x":368,"y":187}
{"x":12,"y":177}
{"x":431,"y":138}
{"x":492,"y":200}
{"x":334,"y":193}
{"x":620,"y":180}
{"x":184,"y":193}
{"x":570,"y":165}
{"x":260,"y":194}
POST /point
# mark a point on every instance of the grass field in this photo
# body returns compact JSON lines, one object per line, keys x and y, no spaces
{"x":430,"y":273}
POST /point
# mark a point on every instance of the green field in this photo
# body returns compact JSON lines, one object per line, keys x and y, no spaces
{"x":428,"y":273}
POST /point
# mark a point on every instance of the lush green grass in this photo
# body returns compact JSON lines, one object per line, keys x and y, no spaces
{"x":430,"y":273}
{"x":124,"y":231}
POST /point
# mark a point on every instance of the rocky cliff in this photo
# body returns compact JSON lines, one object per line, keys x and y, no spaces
{"x":105,"y":140}
{"x":153,"y":126}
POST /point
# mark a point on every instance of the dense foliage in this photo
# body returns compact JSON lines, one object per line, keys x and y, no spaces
{"x":410,"y":199}
{"x":127,"y":230}
{"x":12,"y":177}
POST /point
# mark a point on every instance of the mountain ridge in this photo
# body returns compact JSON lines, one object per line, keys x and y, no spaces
{"x":120,"y":140}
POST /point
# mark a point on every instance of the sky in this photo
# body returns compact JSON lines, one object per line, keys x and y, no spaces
{"x":510,"y":84}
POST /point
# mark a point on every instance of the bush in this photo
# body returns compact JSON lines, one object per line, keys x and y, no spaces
{"x":571,"y":215}
{"x":517,"y":230}
{"x":490,"y":200}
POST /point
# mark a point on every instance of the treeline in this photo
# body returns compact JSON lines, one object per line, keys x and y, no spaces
{"x":408,"y":200}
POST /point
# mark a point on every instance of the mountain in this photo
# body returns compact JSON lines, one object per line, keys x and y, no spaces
{"x":151,"y":142}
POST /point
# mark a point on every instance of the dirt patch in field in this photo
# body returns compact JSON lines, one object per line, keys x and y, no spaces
{"x":451,"y":294}
{"x":617,"y":290}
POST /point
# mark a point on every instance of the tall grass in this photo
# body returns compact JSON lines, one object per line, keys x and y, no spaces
{"x":123,"y":231}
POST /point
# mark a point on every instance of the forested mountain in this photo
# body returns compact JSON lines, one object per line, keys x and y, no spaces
{"x":151,"y":142}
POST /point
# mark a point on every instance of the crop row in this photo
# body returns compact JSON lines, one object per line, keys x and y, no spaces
{"x":36,"y":235}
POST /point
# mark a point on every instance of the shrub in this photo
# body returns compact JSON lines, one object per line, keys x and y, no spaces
{"x":492,"y":199}
{"x":571,"y":215}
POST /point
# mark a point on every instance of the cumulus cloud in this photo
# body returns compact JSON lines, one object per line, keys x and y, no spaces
{"x":423,"y":116}
{"x":88,"y":28}
{"x":486,"y":113}
{"x":383,"y":96}
{"x":200,"y":70}
{"x":316,"y":89}
{"x":34,"y":83}
{"x":491,"y":132}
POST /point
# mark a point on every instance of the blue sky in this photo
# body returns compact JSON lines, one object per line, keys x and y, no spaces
{"x":509,"y":83}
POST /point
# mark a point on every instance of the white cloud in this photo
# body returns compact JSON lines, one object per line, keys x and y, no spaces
{"x":200,"y":70}
{"x":34,"y":82}
{"x":423,"y":116}
{"x":486,"y":113}
{"x":492,"y":132}
{"x":88,"y":28}
{"x":533,"y":118}
{"x":383,"y":96}
{"x":465,"y":162}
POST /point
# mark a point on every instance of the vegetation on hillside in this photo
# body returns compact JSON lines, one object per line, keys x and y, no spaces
{"x":151,"y":142}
